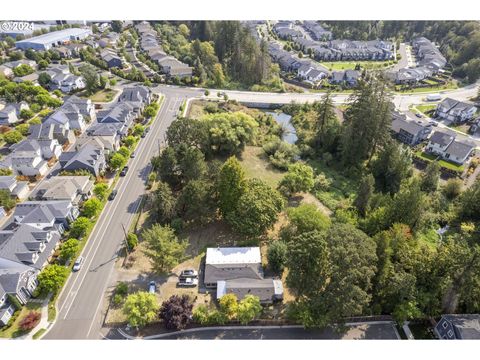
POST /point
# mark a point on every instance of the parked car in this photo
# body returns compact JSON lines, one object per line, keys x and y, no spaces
{"x":113,"y":194}
{"x":418,"y":115}
{"x":152,"y":288}
{"x":187,"y":282}
{"x":132,"y":155}
{"x":189,"y":273}
{"x":147,"y":129}
{"x":124,"y":171}
{"x":434,"y":97}
{"x":78,"y":264}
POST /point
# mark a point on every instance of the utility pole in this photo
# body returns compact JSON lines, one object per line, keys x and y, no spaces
{"x":126,"y":245}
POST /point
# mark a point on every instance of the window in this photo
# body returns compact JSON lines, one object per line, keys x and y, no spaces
{"x":450,"y":333}
{"x":445,"y":325}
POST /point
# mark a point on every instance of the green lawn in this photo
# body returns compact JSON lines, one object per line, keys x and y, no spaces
{"x":105,"y":95}
{"x":350,"y":65}
{"x":426,"y":108}
{"x":449,"y":86}
{"x":14,"y":330}
{"x":38,"y":334}
{"x":257,"y":166}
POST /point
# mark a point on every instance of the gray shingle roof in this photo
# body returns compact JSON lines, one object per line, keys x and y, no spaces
{"x":441,"y":138}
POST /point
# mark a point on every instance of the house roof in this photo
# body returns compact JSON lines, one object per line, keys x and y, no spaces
{"x":28,"y":245}
{"x":233,"y":255}
{"x":63,"y":187}
{"x":33,"y":212}
{"x":463,"y":326}
{"x":265,"y":289}
{"x":459,"y":149}
{"x":441,"y":138}
{"x":13,"y":276}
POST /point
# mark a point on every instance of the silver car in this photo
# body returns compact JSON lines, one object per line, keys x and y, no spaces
{"x":78,"y":264}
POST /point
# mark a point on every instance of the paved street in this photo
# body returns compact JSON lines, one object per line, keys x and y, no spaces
{"x":78,"y":306}
{"x":375,"y":330}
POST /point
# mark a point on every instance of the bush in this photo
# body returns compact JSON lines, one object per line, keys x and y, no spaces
{"x":12,"y":137}
{"x":79,"y":227}
{"x":91,"y":208}
{"x":277,"y":256}
{"x":100,"y":191}
{"x":118,"y":300}
{"x":132,"y":241}
{"x":30,"y":321}
{"x":280,"y":153}
{"x":121,"y":289}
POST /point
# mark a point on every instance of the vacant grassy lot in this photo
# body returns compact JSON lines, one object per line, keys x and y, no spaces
{"x":256,"y":165}
{"x":105,"y":95}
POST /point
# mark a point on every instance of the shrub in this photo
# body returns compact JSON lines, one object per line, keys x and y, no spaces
{"x":118,"y":300}
{"x":121,"y":289}
{"x":132,"y":241}
{"x":30,"y":321}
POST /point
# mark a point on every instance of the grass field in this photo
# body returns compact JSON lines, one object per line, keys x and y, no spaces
{"x":426,"y":109}
{"x":350,"y":65}
{"x":257,"y":166}
{"x":105,"y":95}
{"x":449,"y":86}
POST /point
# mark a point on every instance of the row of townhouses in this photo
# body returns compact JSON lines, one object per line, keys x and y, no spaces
{"x":430,"y":61}
{"x":34,"y":231}
{"x":168,"y":65}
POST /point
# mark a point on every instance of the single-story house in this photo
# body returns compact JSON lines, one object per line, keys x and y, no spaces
{"x":267,"y":290}
{"x":232,"y":263}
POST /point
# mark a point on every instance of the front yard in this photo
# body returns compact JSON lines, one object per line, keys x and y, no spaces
{"x":104,"y":95}
{"x":13,"y":330}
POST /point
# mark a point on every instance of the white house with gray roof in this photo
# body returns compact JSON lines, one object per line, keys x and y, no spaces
{"x":446,"y":146}
{"x":455,"y":111}
{"x":17,"y":280}
{"x":10,"y":114}
{"x":408,"y":130}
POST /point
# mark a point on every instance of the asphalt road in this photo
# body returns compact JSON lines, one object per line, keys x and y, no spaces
{"x":79,"y":315}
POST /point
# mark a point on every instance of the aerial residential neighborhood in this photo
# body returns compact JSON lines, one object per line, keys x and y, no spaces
{"x":254,"y":179}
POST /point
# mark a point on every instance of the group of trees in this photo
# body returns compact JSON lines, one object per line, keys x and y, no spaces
{"x":230,"y":309}
{"x":382,"y":245}
{"x":221,"y":52}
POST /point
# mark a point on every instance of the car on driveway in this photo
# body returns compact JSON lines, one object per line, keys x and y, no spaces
{"x":187,"y":282}
{"x":152,"y":288}
{"x":113,"y":194}
{"x":124,"y":171}
{"x":189,"y":273}
{"x":78,"y":264}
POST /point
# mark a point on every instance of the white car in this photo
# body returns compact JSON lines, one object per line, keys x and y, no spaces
{"x":78,"y":264}
{"x":187,"y":282}
{"x":187,"y":273}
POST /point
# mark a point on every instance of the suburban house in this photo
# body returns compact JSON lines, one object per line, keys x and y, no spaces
{"x":43,"y":215}
{"x":10,"y":114}
{"x":122,"y":115}
{"x":173,"y":67}
{"x":429,"y":60}
{"x":316,"y":31}
{"x":28,"y":159}
{"x":458,"y":327}
{"x":17,"y":280}
{"x":18,"y":189}
{"x":137,"y":93}
{"x":239,"y":270}
{"x":311,"y":73}
{"x":49,"y":148}
{"x":88,"y":157}
{"x":445,"y":145}
{"x":75,"y":189}
{"x":111,"y":58}
{"x":28,"y":245}
{"x":455,"y":111}
{"x":51,"y":132}
{"x":69,"y":116}
{"x":32,"y":78}
{"x":108,"y":133}
{"x":84,"y":106}
{"x":347,"y":77}
{"x":408,"y":130}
